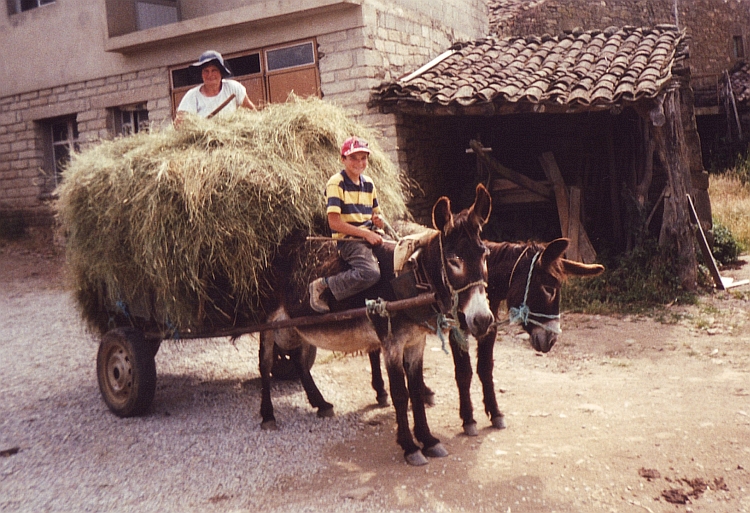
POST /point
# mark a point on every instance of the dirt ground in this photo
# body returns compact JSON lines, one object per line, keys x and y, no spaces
{"x":625,"y":414}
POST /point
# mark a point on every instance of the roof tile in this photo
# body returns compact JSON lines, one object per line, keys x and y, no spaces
{"x":581,"y":68}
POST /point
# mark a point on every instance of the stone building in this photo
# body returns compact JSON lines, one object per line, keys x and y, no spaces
{"x":76,"y":71}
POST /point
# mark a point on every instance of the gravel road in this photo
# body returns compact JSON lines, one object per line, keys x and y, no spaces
{"x":199,"y":450}
{"x":625,"y":414}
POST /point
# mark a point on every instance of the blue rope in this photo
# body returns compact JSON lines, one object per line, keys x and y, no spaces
{"x":442,"y":323}
{"x":377,"y":306}
{"x":173,"y":328}
{"x":521,"y":314}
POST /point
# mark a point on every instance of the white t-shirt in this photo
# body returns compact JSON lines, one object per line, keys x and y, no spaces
{"x":194,"y":101}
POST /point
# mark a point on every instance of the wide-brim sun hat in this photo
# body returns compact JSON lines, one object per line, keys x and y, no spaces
{"x":211,"y":57}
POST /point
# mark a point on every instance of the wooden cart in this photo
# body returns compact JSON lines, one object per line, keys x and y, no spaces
{"x":126,"y":368}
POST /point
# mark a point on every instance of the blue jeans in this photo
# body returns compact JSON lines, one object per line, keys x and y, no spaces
{"x":364,"y":270}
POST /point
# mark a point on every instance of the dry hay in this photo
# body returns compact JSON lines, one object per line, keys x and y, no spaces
{"x":157,"y":222}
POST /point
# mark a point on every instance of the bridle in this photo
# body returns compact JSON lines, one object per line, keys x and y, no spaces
{"x":451,"y":322}
{"x":454,"y":292}
{"x":521,"y":314}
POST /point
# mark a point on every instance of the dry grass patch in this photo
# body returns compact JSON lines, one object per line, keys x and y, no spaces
{"x":730,"y":205}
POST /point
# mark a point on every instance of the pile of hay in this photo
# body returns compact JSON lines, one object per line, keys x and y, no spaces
{"x":153,"y":220}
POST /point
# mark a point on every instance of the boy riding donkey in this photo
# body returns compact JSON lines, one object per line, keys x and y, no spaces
{"x":352,"y":210}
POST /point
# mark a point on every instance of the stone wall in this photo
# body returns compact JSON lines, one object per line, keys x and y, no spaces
{"x":710,"y":23}
{"x":392,"y":41}
{"x":22,"y":151}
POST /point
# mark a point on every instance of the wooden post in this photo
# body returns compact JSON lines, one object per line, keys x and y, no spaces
{"x":569,"y":212}
{"x":549,"y":165}
{"x":675,"y":229}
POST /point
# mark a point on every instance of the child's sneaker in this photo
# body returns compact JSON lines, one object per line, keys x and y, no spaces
{"x":317,"y":300}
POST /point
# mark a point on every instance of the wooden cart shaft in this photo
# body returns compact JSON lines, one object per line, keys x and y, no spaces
{"x":310,"y":320}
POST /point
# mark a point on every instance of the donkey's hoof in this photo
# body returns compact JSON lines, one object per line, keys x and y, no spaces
{"x":499,"y":422}
{"x":429,"y":399}
{"x":268,"y":425}
{"x":325,"y":413}
{"x":471,"y":429}
{"x":382,"y":401}
{"x":436,"y":451}
{"x":416,"y":459}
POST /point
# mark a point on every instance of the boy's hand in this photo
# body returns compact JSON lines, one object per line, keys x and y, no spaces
{"x":378,"y":221}
{"x":373,"y":238}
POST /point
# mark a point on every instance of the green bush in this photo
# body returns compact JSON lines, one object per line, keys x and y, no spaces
{"x":742,"y":167}
{"x":726,"y":249}
{"x":634,"y":282}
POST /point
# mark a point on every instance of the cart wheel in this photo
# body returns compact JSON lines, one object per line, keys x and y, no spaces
{"x":283,"y":365}
{"x":126,"y":371}
{"x":154,"y":344}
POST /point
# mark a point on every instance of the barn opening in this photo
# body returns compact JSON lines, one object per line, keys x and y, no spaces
{"x":601,"y":153}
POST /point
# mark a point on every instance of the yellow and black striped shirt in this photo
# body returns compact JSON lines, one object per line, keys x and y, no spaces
{"x":355,"y":203}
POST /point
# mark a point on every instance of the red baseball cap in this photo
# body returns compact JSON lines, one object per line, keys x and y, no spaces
{"x":353,"y":145}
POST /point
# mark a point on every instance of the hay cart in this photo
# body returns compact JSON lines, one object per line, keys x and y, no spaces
{"x":126,"y":368}
{"x":164,"y":222}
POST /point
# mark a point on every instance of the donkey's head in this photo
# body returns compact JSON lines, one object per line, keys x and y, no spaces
{"x":534,"y":290}
{"x":463,"y":260}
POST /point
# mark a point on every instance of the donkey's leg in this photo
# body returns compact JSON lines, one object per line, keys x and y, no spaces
{"x":414,"y":365}
{"x":379,"y":386}
{"x":485,"y":366}
{"x":394,"y":365}
{"x":300,"y":357}
{"x":377,"y":378}
{"x":462,"y":363}
{"x":265,"y":358}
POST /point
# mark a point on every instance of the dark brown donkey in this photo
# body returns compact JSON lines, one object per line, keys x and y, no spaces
{"x":454,"y":261}
{"x":528,"y":276}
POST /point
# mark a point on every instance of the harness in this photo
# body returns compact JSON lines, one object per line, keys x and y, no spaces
{"x":521,"y":314}
{"x":410,"y":280}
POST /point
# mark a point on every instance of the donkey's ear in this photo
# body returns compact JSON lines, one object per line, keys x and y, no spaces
{"x":442,"y":218}
{"x":479,"y":213}
{"x":553,"y":251}
{"x":573,"y":268}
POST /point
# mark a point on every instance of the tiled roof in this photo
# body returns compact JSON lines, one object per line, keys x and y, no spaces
{"x":740,"y":76}
{"x":580,"y":69}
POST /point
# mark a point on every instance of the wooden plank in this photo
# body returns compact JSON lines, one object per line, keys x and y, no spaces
{"x":574,"y":229}
{"x":513,"y":176}
{"x":585,"y":248}
{"x":586,"y":252}
{"x":506,"y":192}
{"x":549,"y":165}
{"x":708,"y":257}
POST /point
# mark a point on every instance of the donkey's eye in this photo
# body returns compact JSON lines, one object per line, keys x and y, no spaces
{"x":456,"y":263}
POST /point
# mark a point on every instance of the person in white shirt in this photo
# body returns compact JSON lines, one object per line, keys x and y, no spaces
{"x":216,"y":89}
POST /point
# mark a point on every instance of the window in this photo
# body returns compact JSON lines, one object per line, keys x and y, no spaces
{"x":290,"y":56}
{"x":131,"y":119}
{"x":154,"y":13}
{"x":61,"y":140}
{"x":268,"y":74}
{"x":16,"y":6}
{"x":239,"y":66}
{"x":738,"y":47}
